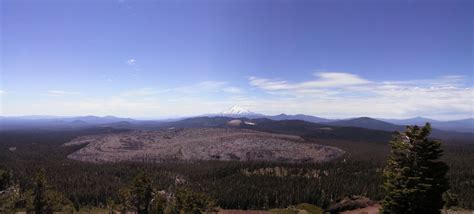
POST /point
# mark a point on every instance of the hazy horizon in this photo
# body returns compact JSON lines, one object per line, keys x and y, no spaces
{"x":166,"y":59}
{"x":213,"y":114}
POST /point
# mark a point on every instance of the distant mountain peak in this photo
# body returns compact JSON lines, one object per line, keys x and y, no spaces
{"x":237,"y":110}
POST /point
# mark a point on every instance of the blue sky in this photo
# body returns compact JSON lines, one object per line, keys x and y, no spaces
{"x":332,"y":58}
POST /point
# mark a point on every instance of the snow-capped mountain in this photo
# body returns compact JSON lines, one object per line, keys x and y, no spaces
{"x":237,"y":110}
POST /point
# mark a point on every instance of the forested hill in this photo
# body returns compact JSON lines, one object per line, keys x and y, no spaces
{"x":357,"y":129}
{"x":370,"y":123}
{"x":364,"y":129}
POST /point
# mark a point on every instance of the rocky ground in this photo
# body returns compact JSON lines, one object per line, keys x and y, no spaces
{"x":200,"y":144}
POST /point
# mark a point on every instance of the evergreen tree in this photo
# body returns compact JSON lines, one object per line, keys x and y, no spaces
{"x":124,"y":200}
{"x":188,"y":201}
{"x":450,"y":199}
{"x":158,"y":204}
{"x":39,"y":199}
{"x":415,"y":178}
{"x":141,"y":193}
{"x":5,"y":179}
{"x":46,"y":200}
{"x":9,"y":193}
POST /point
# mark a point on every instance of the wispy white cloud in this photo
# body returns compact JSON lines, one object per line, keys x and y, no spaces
{"x":2,"y":92}
{"x":233,"y":90}
{"x":323,"y":80}
{"x":142,"y":92}
{"x":131,"y":62}
{"x":201,"y":88}
{"x":61,"y":93}
{"x":107,"y":78}
{"x":116,"y":105}
{"x":450,"y":80}
{"x":207,"y":87}
{"x":334,"y":79}
{"x":193,"y":99}
{"x":348,"y":95}
{"x":334,"y":95}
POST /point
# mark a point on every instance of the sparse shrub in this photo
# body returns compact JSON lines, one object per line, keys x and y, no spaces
{"x":158,"y":204}
{"x":171,"y":208}
{"x":284,"y":211}
{"x":188,"y":201}
{"x":310,"y":208}
{"x":350,"y":203}
{"x":450,"y":199}
{"x":124,"y":203}
{"x":5,"y":179}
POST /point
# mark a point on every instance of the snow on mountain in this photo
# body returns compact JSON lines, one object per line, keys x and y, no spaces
{"x":237,"y":110}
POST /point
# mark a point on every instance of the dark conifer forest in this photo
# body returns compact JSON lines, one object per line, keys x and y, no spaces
{"x":232,"y":185}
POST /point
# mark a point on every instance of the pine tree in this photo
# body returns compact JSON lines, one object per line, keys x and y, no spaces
{"x":188,"y":201}
{"x":9,"y":192}
{"x":39,"y":200}
{"x":5,"y":179}
{"x":45,"y":199}
{"x":124,"y":200}
{"x":141,"y":193}
{"x":450,"y":199}
{"x":415,"y":178}
{"x":158,"y":204}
